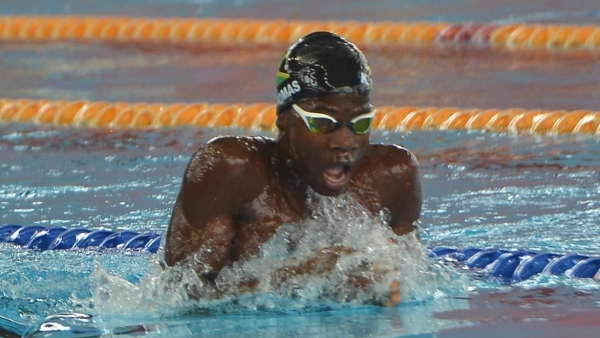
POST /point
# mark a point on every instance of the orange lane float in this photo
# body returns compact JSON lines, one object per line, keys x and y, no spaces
{"x":191,"y":30}
{"x":262,"y":116}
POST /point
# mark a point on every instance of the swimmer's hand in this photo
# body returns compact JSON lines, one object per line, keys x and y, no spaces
{"x":394,"y":296}
{"x":391,"y":297}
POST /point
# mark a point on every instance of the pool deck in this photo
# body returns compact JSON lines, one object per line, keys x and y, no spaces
{"x":542,"y":312}
{"x":525,"y":324}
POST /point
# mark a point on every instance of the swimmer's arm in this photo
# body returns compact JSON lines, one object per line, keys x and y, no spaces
{"x":202,"y":226}
{"x":325,"y":261}
{"x":203,"y":245}
{"x":404,"y":195}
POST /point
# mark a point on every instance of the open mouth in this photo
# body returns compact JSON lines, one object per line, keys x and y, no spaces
{"x":337,"y":177}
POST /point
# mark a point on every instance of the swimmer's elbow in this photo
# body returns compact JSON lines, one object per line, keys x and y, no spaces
{"x":405,"y":228}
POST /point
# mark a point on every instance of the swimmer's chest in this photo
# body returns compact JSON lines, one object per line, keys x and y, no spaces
{"x":258,"y":220}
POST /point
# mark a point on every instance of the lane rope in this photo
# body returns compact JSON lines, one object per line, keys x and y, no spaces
{"x":262,"y":116}
{"x":507,"y":266}
{"x":517,"y":36}
{"x":519,"y":265}
{"x":38,"y":237}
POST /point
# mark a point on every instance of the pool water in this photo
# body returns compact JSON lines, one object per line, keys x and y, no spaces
{"x":481,"y":189}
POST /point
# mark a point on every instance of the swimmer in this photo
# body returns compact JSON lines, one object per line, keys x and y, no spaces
{"x":237,"y":191}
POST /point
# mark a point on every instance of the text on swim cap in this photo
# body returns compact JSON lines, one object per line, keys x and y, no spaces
{"x":288,"y":90}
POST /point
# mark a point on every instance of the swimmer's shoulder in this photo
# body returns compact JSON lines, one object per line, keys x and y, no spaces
{"x":395,"y":174}
{"x":391,"y":156}
{"x":230,"y":155}
{"x":241,"y":145}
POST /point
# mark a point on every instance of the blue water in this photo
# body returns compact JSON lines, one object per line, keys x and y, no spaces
{"x":481,"y":189}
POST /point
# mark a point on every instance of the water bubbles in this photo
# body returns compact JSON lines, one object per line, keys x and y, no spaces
{"x":342,"y":255}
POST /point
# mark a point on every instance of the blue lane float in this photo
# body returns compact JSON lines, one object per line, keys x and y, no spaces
{"x":507,"y":266}
{"x":517,"y":266}
{"x":41,"y":238}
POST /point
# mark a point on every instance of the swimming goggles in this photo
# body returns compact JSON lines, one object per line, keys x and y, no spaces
{"x":319,"y":123}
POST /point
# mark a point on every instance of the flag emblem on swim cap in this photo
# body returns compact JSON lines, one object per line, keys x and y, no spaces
{"x":318,"y":64}
{"x":281,"y":77}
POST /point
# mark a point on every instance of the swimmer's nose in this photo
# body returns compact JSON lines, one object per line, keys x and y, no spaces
{"x":344,"y":141}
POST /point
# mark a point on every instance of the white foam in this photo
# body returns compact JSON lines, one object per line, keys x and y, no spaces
{"x":367,"y":247}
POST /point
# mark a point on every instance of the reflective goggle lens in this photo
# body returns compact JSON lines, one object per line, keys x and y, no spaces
{"x":362,"y":125}
{"x":320,"y":125}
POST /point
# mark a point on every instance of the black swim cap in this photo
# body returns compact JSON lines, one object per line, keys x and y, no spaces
{"x":318,"y":64}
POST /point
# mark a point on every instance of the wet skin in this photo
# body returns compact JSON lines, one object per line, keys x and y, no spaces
{"x":237,"y":191}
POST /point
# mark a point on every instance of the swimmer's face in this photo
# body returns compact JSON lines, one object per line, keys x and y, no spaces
{"x":325,"y":153}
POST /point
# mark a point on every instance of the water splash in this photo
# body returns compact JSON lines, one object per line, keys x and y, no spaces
{"x":342,"y":255}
